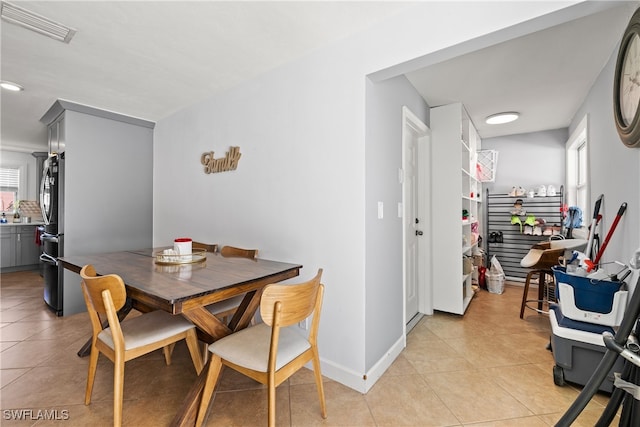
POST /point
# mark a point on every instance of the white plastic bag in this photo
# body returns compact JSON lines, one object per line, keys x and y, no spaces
{"x":495,"y":277}
{"x":496,"y":268}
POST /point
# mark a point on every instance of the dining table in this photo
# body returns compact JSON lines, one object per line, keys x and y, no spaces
{"x":186,"y":288}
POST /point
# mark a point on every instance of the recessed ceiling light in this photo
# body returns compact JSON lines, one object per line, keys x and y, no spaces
{"x":11,"y":86}
{"x":500,"y":118}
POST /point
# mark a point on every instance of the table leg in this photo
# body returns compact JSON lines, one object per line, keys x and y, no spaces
{"x":541,"y":288}
{"x":245,"y":312}
{"x":188,"y":411}
{"x":213,"y":327}
{"x":207,"y":323}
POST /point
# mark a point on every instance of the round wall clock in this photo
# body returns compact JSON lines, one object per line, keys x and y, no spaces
{"x":626,"y":85}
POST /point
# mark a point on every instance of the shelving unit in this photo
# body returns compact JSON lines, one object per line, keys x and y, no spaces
{"x":516,"y":244}
{"x":455,"y":141}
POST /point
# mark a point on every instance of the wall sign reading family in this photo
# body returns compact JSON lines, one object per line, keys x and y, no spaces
{"x":223,"y":164}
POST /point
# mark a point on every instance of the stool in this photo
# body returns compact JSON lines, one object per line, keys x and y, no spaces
{"x":540,"y":258}
{"x":542,"y":290}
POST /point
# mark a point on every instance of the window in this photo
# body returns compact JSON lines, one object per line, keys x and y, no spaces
{"x":582,"y":187}
{"x":577,"y":152}
{"x":9,"y":188}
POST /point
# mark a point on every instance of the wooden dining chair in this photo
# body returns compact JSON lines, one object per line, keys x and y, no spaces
{"x":204,"y":246}
{"x":134,"y":337}
{"x":270,"y":352}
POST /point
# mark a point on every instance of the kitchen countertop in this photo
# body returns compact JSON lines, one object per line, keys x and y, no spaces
{"x":22,"y":223}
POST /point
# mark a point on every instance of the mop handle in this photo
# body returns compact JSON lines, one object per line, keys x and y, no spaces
{"x":623,"y":207}
{"x":594,"y":223}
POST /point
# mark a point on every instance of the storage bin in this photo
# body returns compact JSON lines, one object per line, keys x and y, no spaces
{"x":474,"y":275}
{"x":589,"y":300}
{"x":577,"y":350}
{"x":495,"y":283}
{"x":478,"y":260}
{"x":467,"y":265}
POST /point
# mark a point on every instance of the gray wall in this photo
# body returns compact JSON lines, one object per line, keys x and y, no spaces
{"x":108,"y":192}
{"x":615,"y":169}
{"x":383,"y":158}
{"x":528,"y":160}
{"x":108,"y":185}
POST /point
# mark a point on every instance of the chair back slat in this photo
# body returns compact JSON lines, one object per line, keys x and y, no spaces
{"x":96,"y":284}
{"x":297,"y":302}
{"x":204,"y":246}
{"x":230,"y":251}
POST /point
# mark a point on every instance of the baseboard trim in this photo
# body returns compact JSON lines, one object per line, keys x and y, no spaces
{"x":356,"y":380}
{"x":413,"y":322}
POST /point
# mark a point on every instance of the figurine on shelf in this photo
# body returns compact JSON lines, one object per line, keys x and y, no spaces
{"x":16,"y":215}
{"x":517,"y":208}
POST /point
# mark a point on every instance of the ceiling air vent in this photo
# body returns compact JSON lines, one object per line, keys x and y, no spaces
{"x":34,"y":22}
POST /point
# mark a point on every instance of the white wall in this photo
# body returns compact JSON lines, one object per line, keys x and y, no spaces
{"x":297,"y":194}
{"x":299,"y":191}
{"x":9,"y":158}
{"x":528,"y":160}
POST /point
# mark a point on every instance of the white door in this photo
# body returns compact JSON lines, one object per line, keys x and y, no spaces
{"x":415,"y":138}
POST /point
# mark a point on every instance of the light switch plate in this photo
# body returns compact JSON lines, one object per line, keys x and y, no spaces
{"x":380,"y":210}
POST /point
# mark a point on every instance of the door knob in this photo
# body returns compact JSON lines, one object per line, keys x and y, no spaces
{"x":418,"y":233}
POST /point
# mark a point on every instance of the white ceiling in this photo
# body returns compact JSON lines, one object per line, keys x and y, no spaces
{"x":544,"y":75}
{"x":149,"y":59}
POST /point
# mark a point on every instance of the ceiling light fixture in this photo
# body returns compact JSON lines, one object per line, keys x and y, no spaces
{"x":11,"y":86}
{"x":501,"y":118}
{"x":34,"y":22}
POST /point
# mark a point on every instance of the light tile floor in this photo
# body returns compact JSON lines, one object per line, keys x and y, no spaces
{"x":488,"y":368}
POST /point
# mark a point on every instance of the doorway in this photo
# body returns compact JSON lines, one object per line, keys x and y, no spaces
{"x":416,"y":138}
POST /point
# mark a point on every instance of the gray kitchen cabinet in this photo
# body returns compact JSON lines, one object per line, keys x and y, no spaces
{"x":7,"y":247}
{"x":56,"y":136}
{"x":18,"y":250}
{"x":27,"y":252}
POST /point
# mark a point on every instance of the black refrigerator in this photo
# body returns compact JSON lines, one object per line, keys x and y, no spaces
{"x":52,"y":205}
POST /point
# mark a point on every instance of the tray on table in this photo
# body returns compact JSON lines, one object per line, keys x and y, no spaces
{"x":196,"y":256}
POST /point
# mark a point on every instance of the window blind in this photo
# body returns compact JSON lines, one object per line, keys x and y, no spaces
{"x":9,"y":179}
